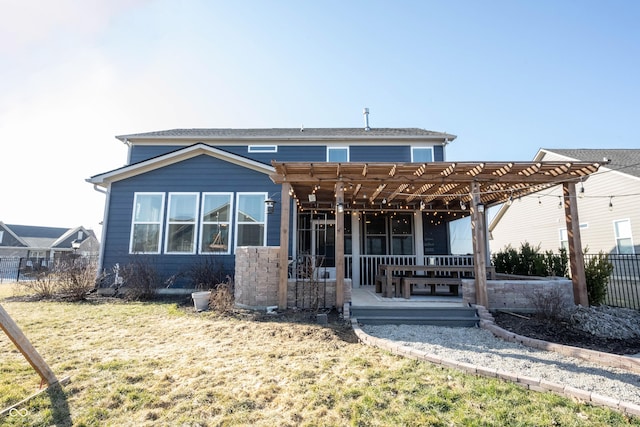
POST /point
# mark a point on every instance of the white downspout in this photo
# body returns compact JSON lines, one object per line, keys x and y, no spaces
{"x":105,"y":217}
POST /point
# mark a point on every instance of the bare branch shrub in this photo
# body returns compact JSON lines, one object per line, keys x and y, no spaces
{"x":43,"y":286}
{"x":549,"y":304}
{"x":207,"y":273}
{"x":221,"y":299}
{"x":76,"y":277}
{"x":140,"y":280}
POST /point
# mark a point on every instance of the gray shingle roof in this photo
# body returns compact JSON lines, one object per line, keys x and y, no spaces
{"x":289,"y":133}
{"x":623,"y":160}
{"x":37,"y":231}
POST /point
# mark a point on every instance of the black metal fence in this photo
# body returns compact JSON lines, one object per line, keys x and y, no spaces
{"x":623,"y":289}
{"x":14,"y":269}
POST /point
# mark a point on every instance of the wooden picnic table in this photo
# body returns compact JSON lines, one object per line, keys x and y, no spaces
{"x":389,"y":271}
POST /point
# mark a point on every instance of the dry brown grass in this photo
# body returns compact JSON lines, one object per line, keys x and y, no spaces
{"x":163,"y":364}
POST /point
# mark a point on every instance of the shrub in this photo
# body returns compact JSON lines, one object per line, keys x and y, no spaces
{"x":43,"y":286}
{"x":557,"y":265}
{"x":76,"y":277}
{"x":207,"y":273}
{"x":221,"y":299}
{"x":140,"y":279}
{"x":506,"y":261}
{"x":597,"y":271}
{"x":528,"y":261}
{"x":549,"y":304}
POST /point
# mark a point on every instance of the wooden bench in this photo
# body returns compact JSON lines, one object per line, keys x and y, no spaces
{"x":381,"y":280}
{"x":408,"y":282}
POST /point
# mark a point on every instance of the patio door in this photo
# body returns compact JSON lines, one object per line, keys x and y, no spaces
{"x":323,"y":241}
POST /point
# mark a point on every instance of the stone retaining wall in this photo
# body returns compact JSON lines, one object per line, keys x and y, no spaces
{"x":517,"y":295}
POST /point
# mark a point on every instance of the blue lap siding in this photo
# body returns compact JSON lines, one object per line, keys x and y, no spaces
{"x":199,"y":174}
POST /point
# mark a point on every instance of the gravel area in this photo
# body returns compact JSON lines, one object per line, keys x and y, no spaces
{"x":480,"y":347}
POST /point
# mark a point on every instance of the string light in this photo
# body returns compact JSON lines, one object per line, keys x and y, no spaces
{"x":581,"y":193}
{"x":610,"y":203}
{"x":559,"y":202}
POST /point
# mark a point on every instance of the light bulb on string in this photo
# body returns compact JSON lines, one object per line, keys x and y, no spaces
{"x":610,"y":203}
{"x":559,"y":202}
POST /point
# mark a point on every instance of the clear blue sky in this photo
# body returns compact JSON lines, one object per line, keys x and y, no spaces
{"x":507,"y":77}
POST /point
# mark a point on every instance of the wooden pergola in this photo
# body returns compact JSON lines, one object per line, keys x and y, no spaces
{"x":451,"y":190}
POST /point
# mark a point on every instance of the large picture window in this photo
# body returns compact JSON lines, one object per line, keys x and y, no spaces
{"x":181,"y":223}
{"x":216,"y":218}
{"x":146,"y":223}
{"x":251,"y":219}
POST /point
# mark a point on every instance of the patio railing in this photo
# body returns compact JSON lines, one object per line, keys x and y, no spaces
{"x":368,"y":264}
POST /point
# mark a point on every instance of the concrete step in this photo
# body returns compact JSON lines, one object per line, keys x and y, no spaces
{"x":439,"y":316}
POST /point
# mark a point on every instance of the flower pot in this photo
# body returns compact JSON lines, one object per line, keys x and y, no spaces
{"x":201,"y":300}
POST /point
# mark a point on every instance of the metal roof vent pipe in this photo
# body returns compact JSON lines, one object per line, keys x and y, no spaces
{"x":366,"y":119}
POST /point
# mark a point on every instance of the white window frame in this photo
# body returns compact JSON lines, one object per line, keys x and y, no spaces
{"x":564,"y":231}
{"x":159,"y":222}
{"x":1,"y":235}
{"x":392,"y":235}
{"x":237,"y":223}
{"x":618,"y":238}
{"x":564,"y":238}
{"x":414,"y":148}
{"x":203,"y":222}
{"x":194,"y":223}
{"x":262,"y":149}
{"x":342,"y":148}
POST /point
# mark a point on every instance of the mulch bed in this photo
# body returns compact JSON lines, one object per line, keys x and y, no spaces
{"x":564,"y":333}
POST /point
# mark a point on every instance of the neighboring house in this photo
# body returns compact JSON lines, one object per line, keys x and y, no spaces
{"x":41,"y":245}
{"x":608,"y":204}
{"x":186,"y":194}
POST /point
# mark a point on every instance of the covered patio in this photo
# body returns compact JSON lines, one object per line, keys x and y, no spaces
{"x":439,"y":192}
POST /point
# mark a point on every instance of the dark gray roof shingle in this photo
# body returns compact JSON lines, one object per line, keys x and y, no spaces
{"x":288,"y":133}
{"x":625,"y":160}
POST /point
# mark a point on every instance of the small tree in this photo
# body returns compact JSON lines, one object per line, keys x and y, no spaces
{"x":597,"y":271}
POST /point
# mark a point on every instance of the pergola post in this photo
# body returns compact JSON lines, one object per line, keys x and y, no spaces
{"x":339,"y":245}
{"x":479,"y":245}
{"x":283,"y":261}
{"x":576,"y":256}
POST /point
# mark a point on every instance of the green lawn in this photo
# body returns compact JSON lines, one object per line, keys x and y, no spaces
{"x":136,"y":364}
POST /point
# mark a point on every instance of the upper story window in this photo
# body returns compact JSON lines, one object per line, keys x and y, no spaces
{"x":181,"y":223}
{"x":337,"y":154}
{"x":146,"y":227}
{"x":251,"y":219}
{"x":421,"y":154}
{"x":216,"y":220}
{"x":263,"y":149}
{"x":624,"y":243}
{"x":1,"y":235}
